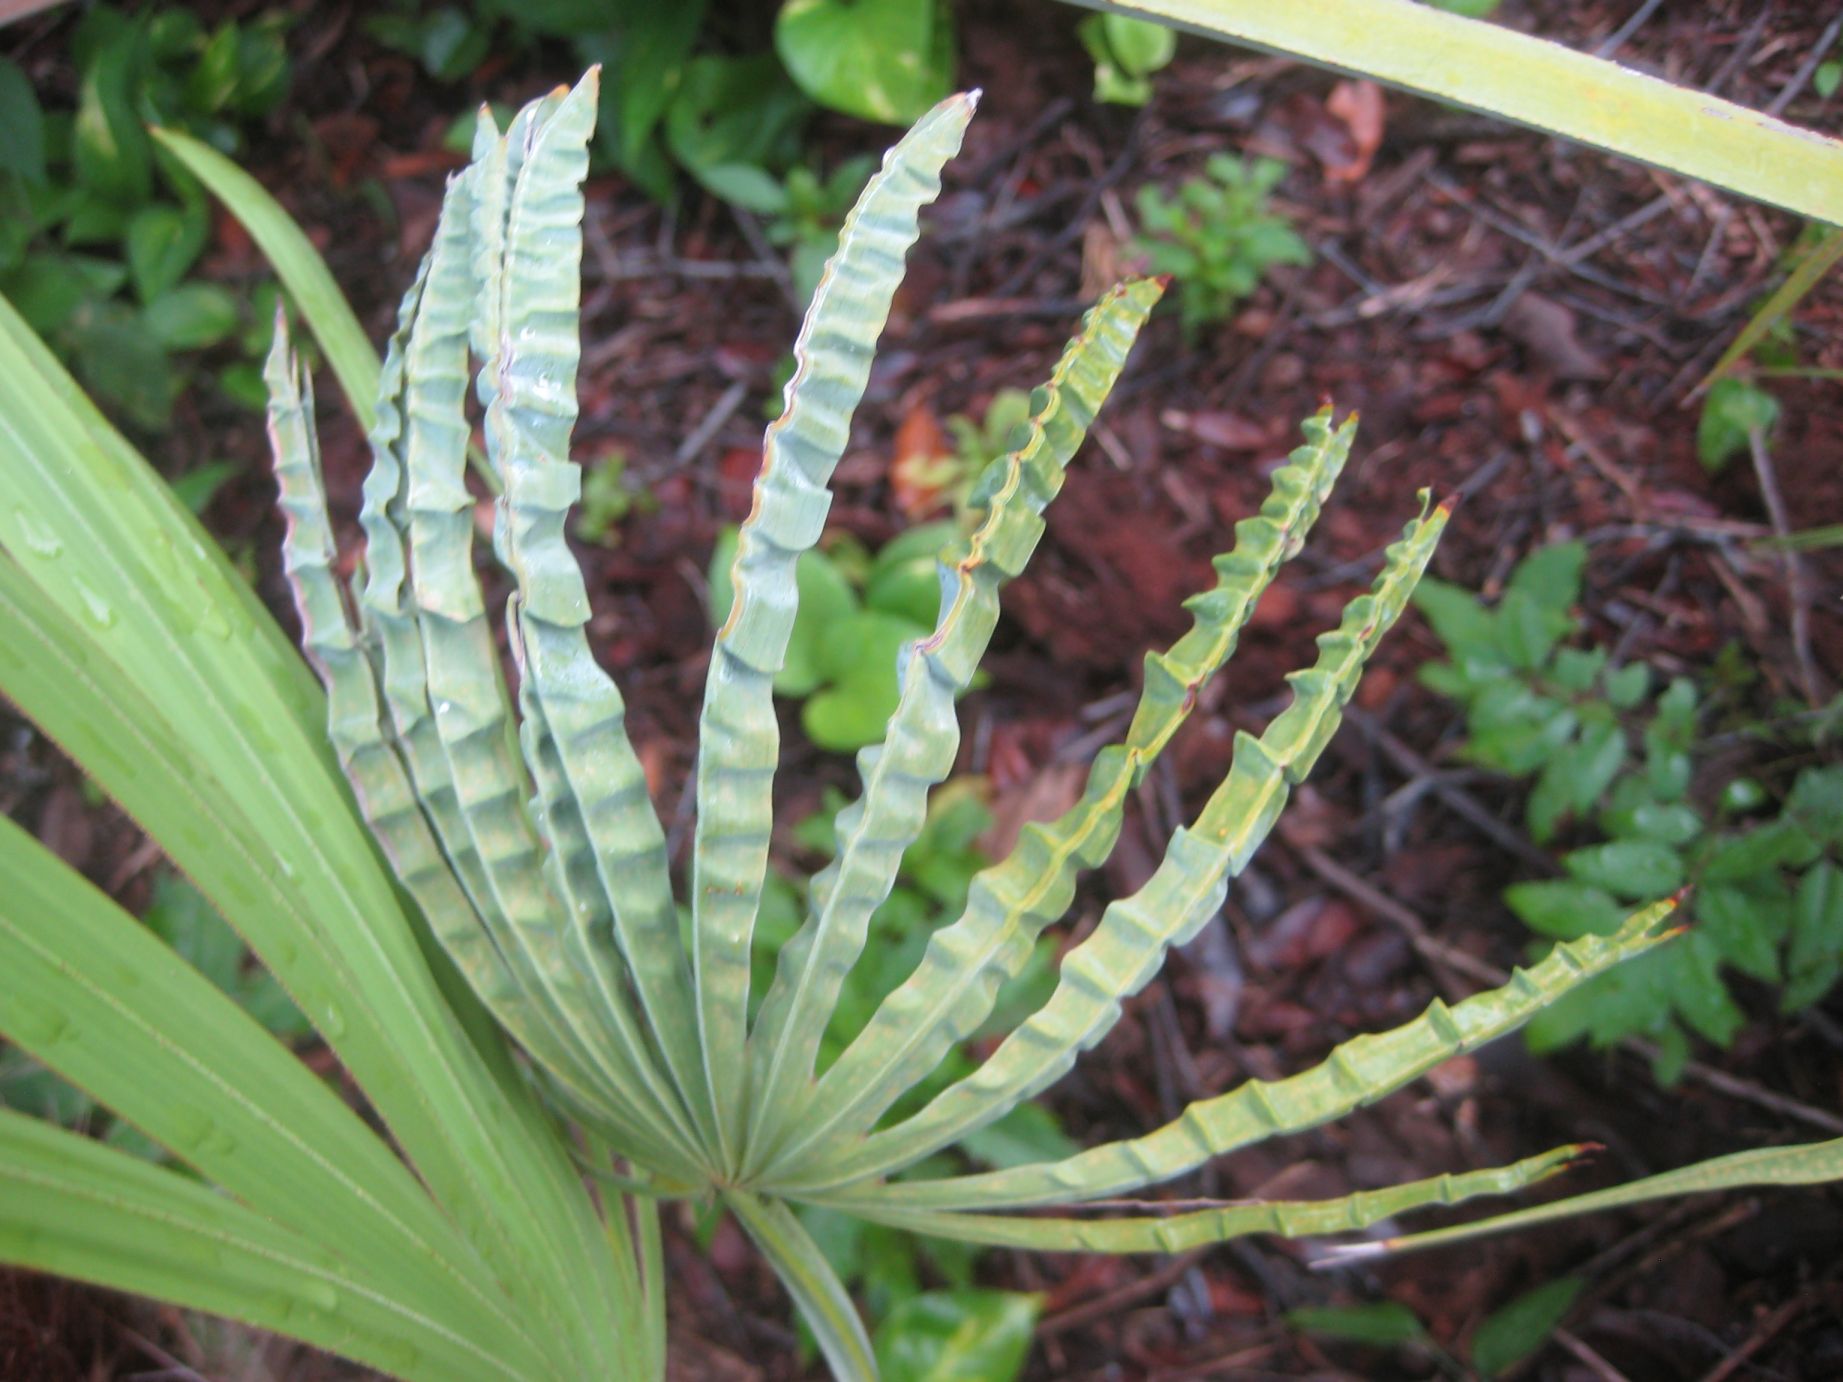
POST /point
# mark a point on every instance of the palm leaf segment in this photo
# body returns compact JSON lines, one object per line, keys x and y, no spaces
{"x":530,"y":843}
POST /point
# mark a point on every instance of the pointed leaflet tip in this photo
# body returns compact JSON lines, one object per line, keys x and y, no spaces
{"x":972,"y":97}
{"x":279,"y":369}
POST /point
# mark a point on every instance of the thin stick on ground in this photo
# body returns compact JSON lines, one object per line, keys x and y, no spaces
{"x":1798,"y":592}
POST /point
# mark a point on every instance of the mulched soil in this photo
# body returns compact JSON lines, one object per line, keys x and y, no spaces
{"x":1517,"y":321}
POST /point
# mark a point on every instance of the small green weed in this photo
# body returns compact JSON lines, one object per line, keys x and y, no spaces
{"x":1735,"y":405}
{"x":1216,"y":236}
{"x":805,"y":214}
{"x":1733,"y":410}
{"x":609,"y":495}
{"x":1620,"y":767}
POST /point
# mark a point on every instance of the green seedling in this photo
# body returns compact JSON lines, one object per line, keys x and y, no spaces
{"x":609,"y":495}
{"x":805,"y":218}
{"x":926,"y":482}
{"x":1216,"y":236}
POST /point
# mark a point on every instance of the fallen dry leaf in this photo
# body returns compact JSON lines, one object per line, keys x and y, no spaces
{"x":1040,"y":798}
{"x":1359,"y":105}
{"x":1548,"y":331}
{"x":1217,"y":427}
{"x":919,"y":472}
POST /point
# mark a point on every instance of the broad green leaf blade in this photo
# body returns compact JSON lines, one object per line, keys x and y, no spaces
{"x":81,"y":1209}
{"x":1185,"y":891}
{"x":1534,"y":82}
{"x":608,"y":845}
{"x":255,"y":812}
{"x":824,"y":1303}
{"x":923,"y":735}
{"x":738,"y":734}
{"x":1361,"y":1071}
{"x":1010,"y":904}
{"x":219,"y":583}
{"x":1184,"y":1231}
{"x":302,"y":271}
{"x":91,"y":993}
{"x":1814,"y":1163}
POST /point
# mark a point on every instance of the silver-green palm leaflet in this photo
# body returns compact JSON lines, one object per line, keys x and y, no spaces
{"x":393,"y":645}
{"x":825,"y":1305}
{"x":1187,"y":1229}
{"x":472,"y":717}
{"x":310,"y":889}
{"x":1184,"y":892}
{"x":606,"y":836}
{"x":1813,"y":1163}
{"x":354,"y":716}
{"x":923,"y":735}
{"x":91,"y":995}
{"x":394,"y":808}
{"x":1011,"y":903}
{"x":73,"y":1206}
{"x":738,"y":735}
{"x":1358,"y":1072}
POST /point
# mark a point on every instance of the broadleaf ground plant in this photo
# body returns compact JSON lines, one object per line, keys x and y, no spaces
{"x":1618,"y":765}
{"x":100,"y":231}
{"x":532,"y":894}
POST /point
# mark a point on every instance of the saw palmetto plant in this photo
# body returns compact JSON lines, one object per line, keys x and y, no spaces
{"x":555,"y":1038}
